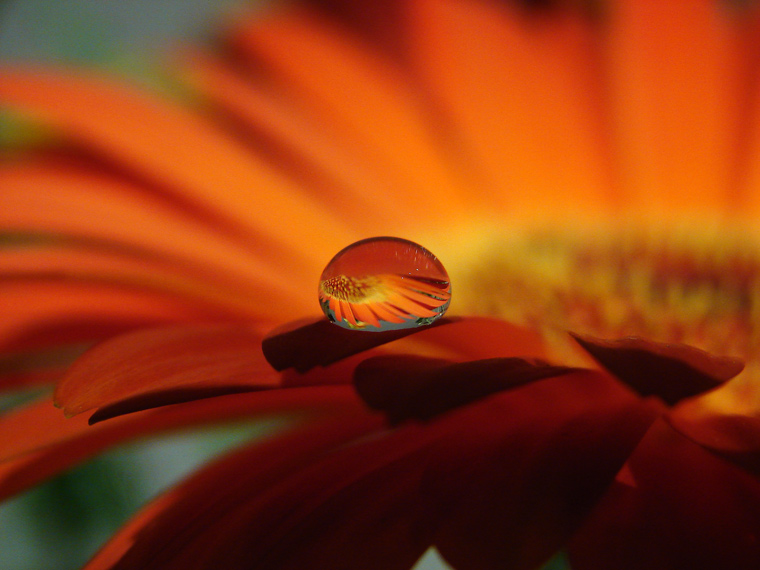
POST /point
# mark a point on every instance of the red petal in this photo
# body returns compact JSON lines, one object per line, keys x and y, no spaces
{"x":671,"y":371}
{"x":317,"y":342}
{"x":33,"y":368}
{"x":682,"y":507}
{"x":37,"y":442}
{"x":411,"y":387}
{"x":209,"y":359}
{"x":521,"y":469}
{"x":310,"y":499}
{"x":725,"y":421}
{"x":485,"y":469}
{"x":306,"y":344}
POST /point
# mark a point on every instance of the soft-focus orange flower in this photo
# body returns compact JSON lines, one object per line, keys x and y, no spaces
{"x":593,"y":171}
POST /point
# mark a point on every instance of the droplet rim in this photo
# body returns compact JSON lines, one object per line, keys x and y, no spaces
{"x":405,"y":289}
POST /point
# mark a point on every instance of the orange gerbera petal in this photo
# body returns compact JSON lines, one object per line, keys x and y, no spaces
{"x":329,"y":169}
{"x":41,"y":313}
{"x":60,"y":197}
{"x":361,"y":99}
{"x":202,"y":357}
{"x":66,"y":263}
{"x":37,"y":441}
{"x":187,"y":156}
{"x":521,"y":95}
{"x":748,"y":151}
{"x":673,"y":71}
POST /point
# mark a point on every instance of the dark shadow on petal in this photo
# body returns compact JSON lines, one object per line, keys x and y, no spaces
{"x":412,"y":387}
{"x":670,"y":371}
{"x":165,"y":398}
{"x":307,"y":343}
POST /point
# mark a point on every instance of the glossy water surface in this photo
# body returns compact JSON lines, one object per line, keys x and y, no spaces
{"x":384,"y":283}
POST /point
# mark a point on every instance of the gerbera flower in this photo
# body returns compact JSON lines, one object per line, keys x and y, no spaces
{"x":575,"y":170}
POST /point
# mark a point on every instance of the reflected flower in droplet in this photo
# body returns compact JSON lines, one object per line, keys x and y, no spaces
{"x":384,"y":283}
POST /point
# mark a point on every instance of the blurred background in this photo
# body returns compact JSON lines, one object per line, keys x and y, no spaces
{"x":59,"y":525}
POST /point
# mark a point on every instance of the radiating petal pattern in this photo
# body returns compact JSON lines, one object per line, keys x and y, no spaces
{"x":533,"y":89}
{"x":191,"y":172}
{"x":151,"y":249}
{"x":74,"y":204}
{"x":673,"y":76}
{"x":382,"y":119}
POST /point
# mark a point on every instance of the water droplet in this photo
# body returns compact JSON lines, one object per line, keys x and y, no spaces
{"x":384,"y":283}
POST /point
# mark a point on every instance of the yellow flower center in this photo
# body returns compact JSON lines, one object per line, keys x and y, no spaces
{"x":698,"y":289}
{"x":350,"y":289}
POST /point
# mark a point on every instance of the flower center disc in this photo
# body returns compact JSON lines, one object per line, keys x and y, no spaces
{"x":693,"y":288}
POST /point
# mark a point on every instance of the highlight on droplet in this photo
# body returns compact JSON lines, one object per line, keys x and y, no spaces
{"x":384,"y":283}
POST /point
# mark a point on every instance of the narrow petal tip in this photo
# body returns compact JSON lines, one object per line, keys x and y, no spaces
{"x":670,"y":371}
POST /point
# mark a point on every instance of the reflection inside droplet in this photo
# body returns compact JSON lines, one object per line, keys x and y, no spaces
{"x":384,"y":283}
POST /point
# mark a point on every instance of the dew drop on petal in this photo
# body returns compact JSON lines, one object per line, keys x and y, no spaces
{"x":384,"y":283}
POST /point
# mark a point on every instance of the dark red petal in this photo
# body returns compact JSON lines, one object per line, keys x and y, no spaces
{"x":671,"y":371}
{"x":521,"y":469}
{"x":317,"y":342}
{"x":413,"y":387}
{"x":306,"y":344}
{"x":678,"y":507}
{"x":37,"y":442}
{"x":314,"y":498}
{"x":162,"y":398}
{"x":725,"y":421}
{"x":377,"y":21}
{"x":508,"y":477}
